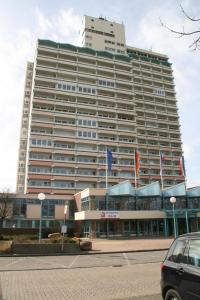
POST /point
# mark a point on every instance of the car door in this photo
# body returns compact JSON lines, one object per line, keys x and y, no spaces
{"x":191,"y":271}
{"x":172,"y":272}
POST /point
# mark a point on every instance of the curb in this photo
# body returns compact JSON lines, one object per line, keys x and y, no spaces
{"x":84,"y":253}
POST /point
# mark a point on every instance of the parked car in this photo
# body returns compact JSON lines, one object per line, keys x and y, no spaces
{"x":180,"y":270}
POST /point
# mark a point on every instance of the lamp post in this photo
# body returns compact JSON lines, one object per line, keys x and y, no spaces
{"x":173,"y":201}
{"x":64,"y":227}
{"x":41,"y":197}
{"x":65,"y":213}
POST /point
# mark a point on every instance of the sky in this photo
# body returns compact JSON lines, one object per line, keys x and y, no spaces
{"x":23,"y":22}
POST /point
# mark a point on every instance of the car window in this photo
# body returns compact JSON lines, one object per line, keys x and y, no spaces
{"x":177,"y":255}
{"x":194,"y":253}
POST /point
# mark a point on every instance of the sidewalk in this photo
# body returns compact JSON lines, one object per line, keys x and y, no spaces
{"x":128,"y":245}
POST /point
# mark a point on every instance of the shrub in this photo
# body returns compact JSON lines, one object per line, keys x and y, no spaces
{"x":5,"y":247}
{"x":24,"y":238}
{"x":54,"y":235}
{"x":69,"y":240}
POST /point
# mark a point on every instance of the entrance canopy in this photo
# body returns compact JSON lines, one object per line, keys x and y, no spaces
{"x":194,"y":192}
{"x":124,"y":188}
{"x":152,"y":189}
{"x":176,"y":190}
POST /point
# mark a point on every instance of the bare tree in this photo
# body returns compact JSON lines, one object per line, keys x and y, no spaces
{"x":5,"y":206}
{"x":195,"y":45}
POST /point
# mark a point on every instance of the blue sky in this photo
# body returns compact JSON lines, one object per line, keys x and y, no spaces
{"x":23,"y":22}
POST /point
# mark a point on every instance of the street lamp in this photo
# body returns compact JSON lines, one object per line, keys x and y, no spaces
{"x":41,"y":197}
{"x":65,"y":213}
{"x":173,"y":201}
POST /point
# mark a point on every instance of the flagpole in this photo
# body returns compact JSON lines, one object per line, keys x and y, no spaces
{"x":106,"y":204}
{"x":184,"y":171}
{"x":106,"y":170}
{"x":161,"y":173}
{"x":135,"y":170}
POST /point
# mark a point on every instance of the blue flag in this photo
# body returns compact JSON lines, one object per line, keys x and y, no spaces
{"x":109,"y":160}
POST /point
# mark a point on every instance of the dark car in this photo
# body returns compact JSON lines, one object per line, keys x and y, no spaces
{"x":180,"y":271}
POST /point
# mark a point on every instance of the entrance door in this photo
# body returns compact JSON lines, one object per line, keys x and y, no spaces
{"x":112,"y":227}
{"x":181,"y":224}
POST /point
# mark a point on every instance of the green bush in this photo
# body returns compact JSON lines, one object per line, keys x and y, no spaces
{"x":29,"y":238}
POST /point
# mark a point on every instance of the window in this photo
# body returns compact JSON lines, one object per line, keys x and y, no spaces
{"x":106,"y":83}
{"x":63,"y":184}
{"x":87,"y":134}
{"x":86,"y":90}
{"x":194,"y":253}
{"x":48,"y":209}
{"x":39,"y":183}
{"x":159,"y":92}
{"x":87,"y":122}
{"x":176,"y":253}
{"x":68,"y":87}
{"x":34,"y":169}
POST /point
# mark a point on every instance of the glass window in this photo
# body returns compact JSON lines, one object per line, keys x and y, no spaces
{"x":194,"y":253}
{"x":178,"y":250}
{"x":126,"y":226}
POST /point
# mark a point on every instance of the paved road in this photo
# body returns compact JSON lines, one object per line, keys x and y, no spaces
{"x":123,"y":276}
{"x":78,"y":261}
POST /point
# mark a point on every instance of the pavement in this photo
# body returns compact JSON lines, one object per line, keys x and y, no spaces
{"x":130,"y":245}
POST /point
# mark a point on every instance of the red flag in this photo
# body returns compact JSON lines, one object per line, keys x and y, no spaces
{"x":137,"y":162}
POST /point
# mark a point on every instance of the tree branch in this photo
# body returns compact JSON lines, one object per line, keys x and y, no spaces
{"x":187,"y":16}
{"x":181,"y":33}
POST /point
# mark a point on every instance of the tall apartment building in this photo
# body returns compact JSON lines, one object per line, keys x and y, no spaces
{"x":21,"y":172}
{"x":103,"y":94}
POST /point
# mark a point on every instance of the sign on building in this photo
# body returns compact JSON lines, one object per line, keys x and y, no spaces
{"x":109,"y":215}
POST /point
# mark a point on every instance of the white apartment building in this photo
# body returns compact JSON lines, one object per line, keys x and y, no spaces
{"x":86,"y":99}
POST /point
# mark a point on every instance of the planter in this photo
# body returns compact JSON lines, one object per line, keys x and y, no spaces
{"x":44,"y":249}
{"x":85,"y":245}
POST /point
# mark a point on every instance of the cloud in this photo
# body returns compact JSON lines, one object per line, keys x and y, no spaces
{"x":186,"y":65}
{"x":14,"y":54}
{"x":63,"y":27}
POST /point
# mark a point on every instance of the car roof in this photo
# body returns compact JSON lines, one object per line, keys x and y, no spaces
{"x":190,"y":235}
